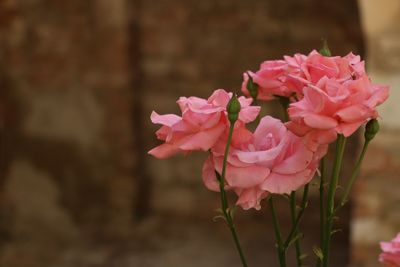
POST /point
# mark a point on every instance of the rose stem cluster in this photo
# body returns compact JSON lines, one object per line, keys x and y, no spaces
{"x":325,"y":52}
{"x":285,"y":104}
{"x":326,"y":218}
{"x":233,"y":109}
{"x":294,"y":235}
{"x":371,"y":130}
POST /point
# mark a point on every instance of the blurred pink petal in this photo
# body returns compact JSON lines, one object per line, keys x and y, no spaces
{"x":390,"y":256}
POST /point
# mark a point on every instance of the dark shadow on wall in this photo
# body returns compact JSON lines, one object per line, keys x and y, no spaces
{"x":141,"y":202}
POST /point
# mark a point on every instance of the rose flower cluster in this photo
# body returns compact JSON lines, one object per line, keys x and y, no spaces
{"x":327,"y":96}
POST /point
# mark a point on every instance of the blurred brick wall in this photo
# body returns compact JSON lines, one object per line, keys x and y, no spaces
{"x":78,"y":82}
{"x":66,"y":125}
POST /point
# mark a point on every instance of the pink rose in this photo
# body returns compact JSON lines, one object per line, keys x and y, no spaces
{"x":202,"y":123}
{"x":390,"y":257}
{"x":262,"y":94}
{"x":270,"y":78}
{"x":331,"y":107}
{"x":289,"y":76}
{"x":274,"y":78}
{"x":342,"y":69}
{"x":272,"y":160}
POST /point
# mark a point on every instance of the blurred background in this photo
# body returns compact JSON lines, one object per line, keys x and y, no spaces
{"x":78,"y":80}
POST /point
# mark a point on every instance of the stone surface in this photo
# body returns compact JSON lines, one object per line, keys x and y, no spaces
{"x":377,"y":198}
{"x":376,"y":215}
{"x":381,"y":26}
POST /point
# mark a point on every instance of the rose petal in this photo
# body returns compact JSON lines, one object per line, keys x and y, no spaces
{"x":167,"y":119}
{"x":203,"y":140}
{"x":348,"y":129}
{"x":354,"y":113}
{"x":208,"y":175}
{"x":249,"y":114}
{"x":300,"y":157}
{"x":242,"y":177}
{"x":320,"y":121}
{"x":250,"y":198}
{"x":164,"y":151}
{"x":284,"y":184}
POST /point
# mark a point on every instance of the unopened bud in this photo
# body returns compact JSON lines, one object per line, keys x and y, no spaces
{"x":233,"y":109}
{"x":371,"y":129}
{"x":325,"y":49}
{"x":252,"y":88}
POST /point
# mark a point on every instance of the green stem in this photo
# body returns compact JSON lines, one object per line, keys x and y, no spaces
{"x":340,"y":145}
{"x":279,"y":246}
{"x":258,"y":118}
{"x":296,"y":223}
{"x":285,"y":116}
{"x":321,"y":206}
{"x":354,"y":174}
{"x":293,"y":214}
{"x":284,"y":101}
{"x":224,"y":200}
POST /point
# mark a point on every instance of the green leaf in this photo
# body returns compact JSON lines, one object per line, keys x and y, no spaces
{"x":303,"y":256}
{"x":232,"y":211}
{"x":336,"y":231}
{"x":219,"y":210}
{"x":298,"y":236}
{"x":218,"y":217}
{"x":318,"y":252}
{"x":325,"y":49}
{"x":252,"y":87}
